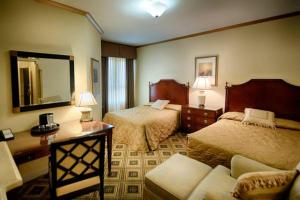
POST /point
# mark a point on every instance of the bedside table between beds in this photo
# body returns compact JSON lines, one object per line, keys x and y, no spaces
{"x":194,"y":118}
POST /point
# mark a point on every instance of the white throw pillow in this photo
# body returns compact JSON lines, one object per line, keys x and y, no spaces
{"x":160,"y":104}
{"x":258,"y":117}
{"x":148,"y":104}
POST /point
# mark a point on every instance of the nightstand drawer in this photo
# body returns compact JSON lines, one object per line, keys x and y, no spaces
{"x":206,"y":113}
{"x":197,"y":120}
{"x":194,"y":118}
{"x":191,"y":127}
{"x":202,"y":113}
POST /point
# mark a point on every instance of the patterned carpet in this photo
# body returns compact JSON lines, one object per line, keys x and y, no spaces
{"x":127,"y":178}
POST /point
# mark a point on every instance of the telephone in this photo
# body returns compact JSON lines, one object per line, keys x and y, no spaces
{"x":6,"y":134}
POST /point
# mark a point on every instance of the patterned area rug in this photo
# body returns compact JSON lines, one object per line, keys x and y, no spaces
{"x":127,"y":178}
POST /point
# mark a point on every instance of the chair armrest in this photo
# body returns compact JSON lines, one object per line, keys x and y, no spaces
{"x":241,"y":165}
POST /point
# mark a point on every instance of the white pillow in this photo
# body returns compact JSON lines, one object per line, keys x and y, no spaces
{"x":160,"y":104}
{"x":258,"y":117}
{"x":148,"y":104}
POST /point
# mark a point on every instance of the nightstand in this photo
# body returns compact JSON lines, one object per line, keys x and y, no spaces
{"x":194,"y":118}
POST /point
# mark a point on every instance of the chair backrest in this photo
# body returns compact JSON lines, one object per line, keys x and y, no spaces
{"x":75,"y":160}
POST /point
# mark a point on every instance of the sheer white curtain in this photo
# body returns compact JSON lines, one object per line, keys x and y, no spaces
{"x":116,"y":83}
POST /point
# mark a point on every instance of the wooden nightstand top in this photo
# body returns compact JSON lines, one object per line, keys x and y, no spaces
{"x":204,"y":108}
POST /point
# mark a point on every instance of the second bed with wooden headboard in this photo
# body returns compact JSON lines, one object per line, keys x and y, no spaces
{"x":279,"y":147}
{"x":143,"y":127}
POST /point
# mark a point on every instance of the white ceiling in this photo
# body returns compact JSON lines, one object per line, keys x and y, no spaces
{"x":125,"y":21}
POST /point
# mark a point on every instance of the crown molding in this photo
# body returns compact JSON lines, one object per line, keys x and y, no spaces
{"x":227,"y":28}
{"x":94,"y":22}
{"x":72,"y":9}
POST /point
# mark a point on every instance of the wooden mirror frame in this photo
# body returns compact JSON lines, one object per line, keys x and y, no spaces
{"x":15,"y":80}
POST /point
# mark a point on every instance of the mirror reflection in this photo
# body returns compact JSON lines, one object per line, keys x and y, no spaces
{"x":43,"y":81}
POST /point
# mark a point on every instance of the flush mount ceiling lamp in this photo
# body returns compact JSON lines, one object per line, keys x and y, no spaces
{"x":155,"y":8}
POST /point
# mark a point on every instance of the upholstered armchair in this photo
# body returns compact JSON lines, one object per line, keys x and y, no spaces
{"x":181,"y":177}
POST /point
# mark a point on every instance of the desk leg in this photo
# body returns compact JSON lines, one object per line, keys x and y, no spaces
{"x":109,"y":149}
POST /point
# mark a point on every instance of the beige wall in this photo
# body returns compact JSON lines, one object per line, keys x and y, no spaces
{"x":266,"y":50}
{"x":31,"y":26}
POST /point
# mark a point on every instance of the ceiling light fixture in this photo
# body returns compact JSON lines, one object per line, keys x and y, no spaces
{"x":155,"y":8}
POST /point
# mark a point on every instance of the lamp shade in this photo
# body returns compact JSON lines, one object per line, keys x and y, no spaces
{"x":202,"y":83}
{"x":87,"y":99}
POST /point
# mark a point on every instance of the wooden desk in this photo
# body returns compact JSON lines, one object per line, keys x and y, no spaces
{"x":26,"y":147}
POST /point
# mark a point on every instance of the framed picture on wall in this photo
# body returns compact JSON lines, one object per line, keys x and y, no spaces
{"x":95,"y":70}
{"x":208,"y":67}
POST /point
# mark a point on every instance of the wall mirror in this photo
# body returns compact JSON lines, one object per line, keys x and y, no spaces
{"x":41,"y":80}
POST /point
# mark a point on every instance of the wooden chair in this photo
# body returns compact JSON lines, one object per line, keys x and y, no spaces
{"x":76,"y":167}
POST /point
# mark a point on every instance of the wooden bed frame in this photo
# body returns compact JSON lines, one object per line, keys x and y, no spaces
{"x":169,"y":89}
{"x":267,"y":94}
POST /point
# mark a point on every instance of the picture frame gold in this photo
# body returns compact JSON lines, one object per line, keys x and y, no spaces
{"x":207,"y":66}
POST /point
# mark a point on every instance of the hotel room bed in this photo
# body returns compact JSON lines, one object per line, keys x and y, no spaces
{"x":143,"y":127}
{"x":218,"y":143}
{"x":280,"y":147}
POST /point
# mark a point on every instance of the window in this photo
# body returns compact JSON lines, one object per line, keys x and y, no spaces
{"x":118,"y":80}
{"x":116,"y":84}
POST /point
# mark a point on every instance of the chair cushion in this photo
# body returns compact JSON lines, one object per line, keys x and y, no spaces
{"x":270,"y":185}
{"x":176,"y":177}
{"x":218,"y":184}
{"x":77,"y":186}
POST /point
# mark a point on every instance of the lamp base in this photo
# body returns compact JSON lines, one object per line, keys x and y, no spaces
{"x":86,"y":116}
{"x":201,"y":101}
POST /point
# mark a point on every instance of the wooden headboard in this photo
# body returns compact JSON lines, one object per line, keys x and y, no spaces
{"x":169,"y":89}
{"x":267,"y":94}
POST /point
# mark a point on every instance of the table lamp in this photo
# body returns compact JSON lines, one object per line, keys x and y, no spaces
{"x":202,"y":83}
{"x":86,"y":99}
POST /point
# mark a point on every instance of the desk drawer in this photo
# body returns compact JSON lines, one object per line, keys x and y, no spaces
{"x":26,"y":156}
